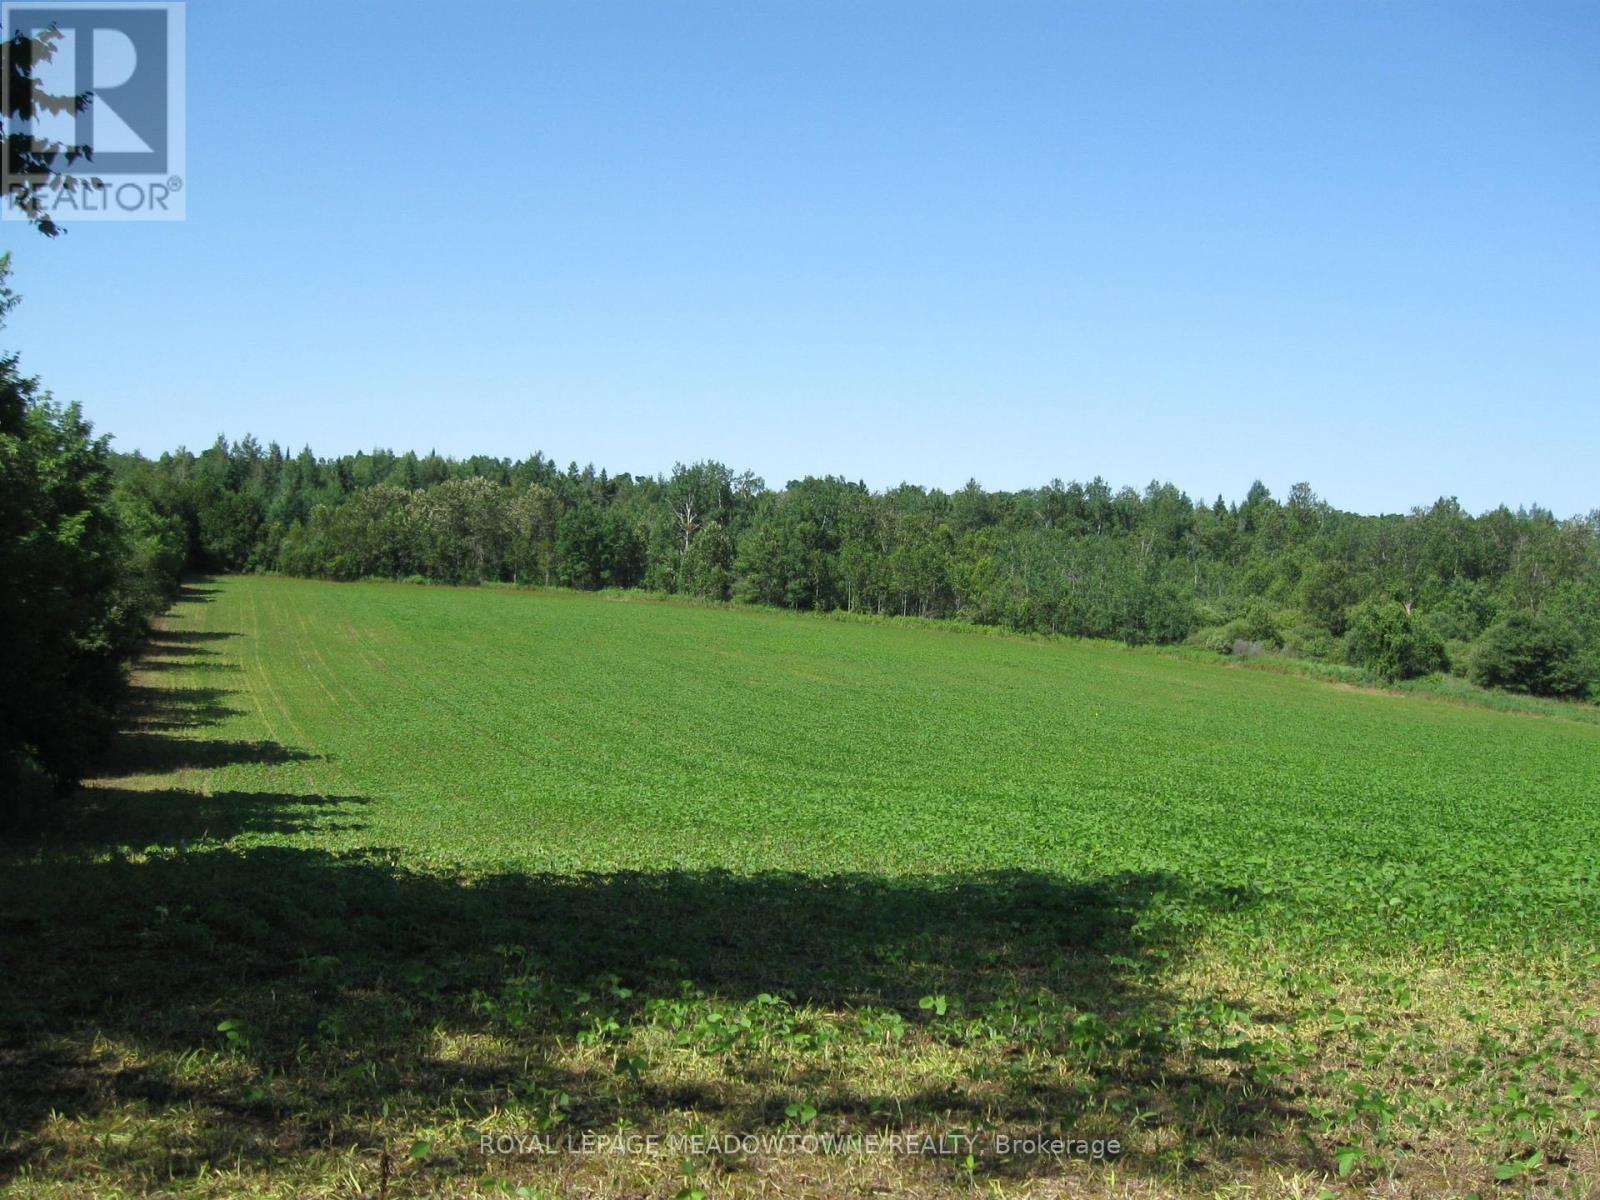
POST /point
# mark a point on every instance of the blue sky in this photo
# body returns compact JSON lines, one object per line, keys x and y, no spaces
{"x":1352,"y":243}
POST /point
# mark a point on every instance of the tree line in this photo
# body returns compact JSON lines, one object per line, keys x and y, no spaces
{"x":1510,"y":598}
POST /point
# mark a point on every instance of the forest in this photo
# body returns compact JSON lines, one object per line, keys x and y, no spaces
{"x":1511,"y":596}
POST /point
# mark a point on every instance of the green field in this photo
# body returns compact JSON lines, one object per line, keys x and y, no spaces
{"x":380,"y":870}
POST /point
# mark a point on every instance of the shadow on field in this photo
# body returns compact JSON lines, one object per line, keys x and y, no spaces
{"x":345,"y":986}
{"x":154,"y":709}
{"x":155,"y":753}
{"x":173,"y":817}
{"x":147,"y":746}
{"x":333,"y":962}
{"x":157,"y":663}
{"x":193,"y":637}
{"x":158,"y":649}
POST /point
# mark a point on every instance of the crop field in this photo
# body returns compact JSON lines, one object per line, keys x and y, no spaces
{"x":413,"y":891}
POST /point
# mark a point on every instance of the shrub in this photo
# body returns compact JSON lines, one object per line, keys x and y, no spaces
{"x":1219,"y":638}
{"x":1259,"y":624}
{"x":1386,"y":640}
{"x":1210,"y":638}
{"x":1528,"y":652}
{"x":1309,"y":641}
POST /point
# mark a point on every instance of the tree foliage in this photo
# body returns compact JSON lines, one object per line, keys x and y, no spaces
{"x":38,"y":169}
{"x":84,"y":563}
{"x":1533,"y":652}
{"x":60,"y":626}
{"x":1400,"y":595}
{"x":1389,"y":642}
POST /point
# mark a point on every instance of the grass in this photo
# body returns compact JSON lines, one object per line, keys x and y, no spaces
{"x":381,"y":872}
{"x":1451,"y":689}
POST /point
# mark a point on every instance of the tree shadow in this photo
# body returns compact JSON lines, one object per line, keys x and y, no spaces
{"x":158,"y":647}
{"x":111,"y":816}
{"x":154,"y":753}
{"x":173,"y":708}
{"x":147,"y":745}
{"x":193,"y":637}
{"x":161,"y":663}
{"x":326,"y":960}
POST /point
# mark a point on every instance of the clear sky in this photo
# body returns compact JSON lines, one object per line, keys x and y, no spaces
{"x":1352,"y":243}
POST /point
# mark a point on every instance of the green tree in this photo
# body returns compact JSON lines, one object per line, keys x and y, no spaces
{"x":38,"y":170}
{"x":533,"y":517}
{"x":1388,"y":641}
{"x":1533,"y":652}
{"x":67,"y":619}
{"x":598,"y":548}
